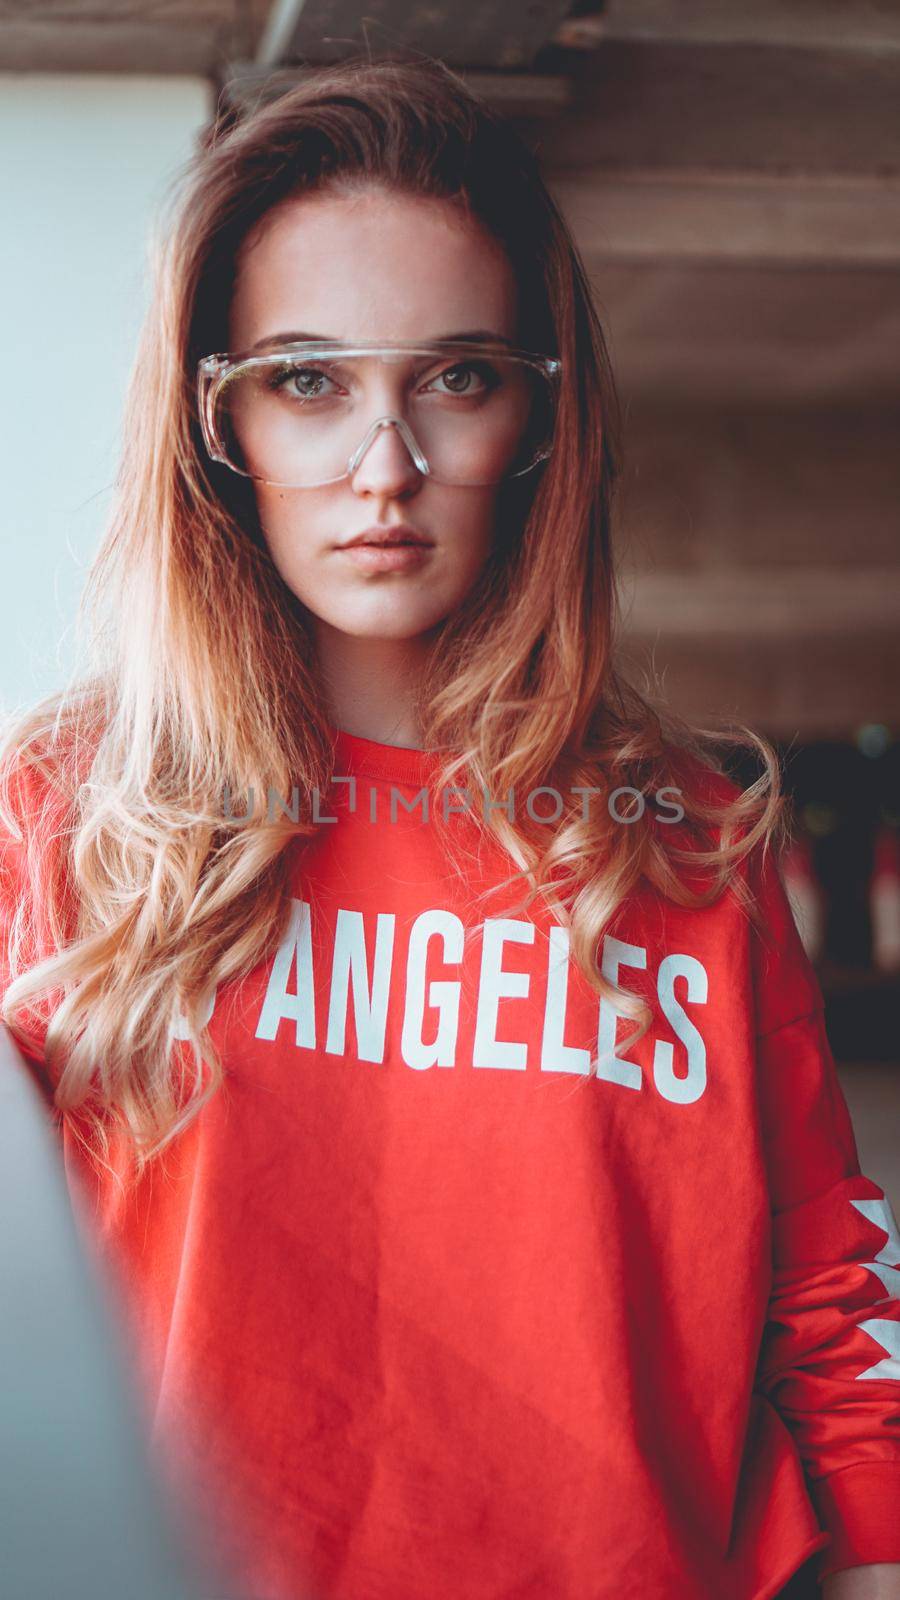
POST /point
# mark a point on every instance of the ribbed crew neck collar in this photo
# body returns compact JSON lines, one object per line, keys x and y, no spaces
{"x":369,"y":758}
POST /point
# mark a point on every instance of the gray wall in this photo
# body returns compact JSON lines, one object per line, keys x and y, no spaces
{"x":86,"y":161}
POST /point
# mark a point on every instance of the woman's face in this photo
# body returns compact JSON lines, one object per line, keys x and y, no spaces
{"x":372,"y":265}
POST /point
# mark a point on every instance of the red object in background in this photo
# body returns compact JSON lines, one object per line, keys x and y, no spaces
{"x":806,"y":895}
{"x":884,"y":900}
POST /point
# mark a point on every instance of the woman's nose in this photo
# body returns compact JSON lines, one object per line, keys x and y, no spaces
{"x":386,"y":465}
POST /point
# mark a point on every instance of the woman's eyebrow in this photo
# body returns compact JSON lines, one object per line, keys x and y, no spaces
{"x":469,"y":336}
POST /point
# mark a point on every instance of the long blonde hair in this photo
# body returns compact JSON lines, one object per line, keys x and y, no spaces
{"x":201,"y":678}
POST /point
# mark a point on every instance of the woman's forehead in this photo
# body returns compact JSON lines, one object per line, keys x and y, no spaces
{"x":371,"y":264}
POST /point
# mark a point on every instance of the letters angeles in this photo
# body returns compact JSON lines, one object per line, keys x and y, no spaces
{"x":374,"y":982}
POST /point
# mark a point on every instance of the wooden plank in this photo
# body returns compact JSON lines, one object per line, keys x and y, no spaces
{"x":753,"y":603}
{"x":515,"y":94}
{"x":35,"y":45}
{"x":662,"y":215}
{"x":767,"y":489}
{"x":177,"y":36}
{"x":824,"y":24}
{"x":500,"y":34}
{"x":803,"y":688}
{"x":752,"y":108}
{"x":745,"y":333}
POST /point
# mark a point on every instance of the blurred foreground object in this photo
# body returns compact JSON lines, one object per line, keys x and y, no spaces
{"x":80,"y":1514}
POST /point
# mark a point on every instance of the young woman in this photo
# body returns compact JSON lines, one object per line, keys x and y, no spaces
{"x":433,"y":1048}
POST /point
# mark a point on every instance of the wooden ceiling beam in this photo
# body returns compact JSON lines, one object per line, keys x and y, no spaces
{"x":711,"y":215}
{"x":821,"y":24}
{"x":763,"y":603}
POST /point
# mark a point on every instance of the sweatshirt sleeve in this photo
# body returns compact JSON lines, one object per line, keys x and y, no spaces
{"x":830,"y":1353}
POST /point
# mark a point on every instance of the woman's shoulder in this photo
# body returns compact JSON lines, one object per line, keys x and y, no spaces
{"x":719,"y":812}
{"x":731,"y":834}
{"x":701,"y":780}
{"x":783,"y":978}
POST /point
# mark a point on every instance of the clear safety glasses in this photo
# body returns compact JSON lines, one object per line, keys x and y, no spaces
{"x":305,"y":414}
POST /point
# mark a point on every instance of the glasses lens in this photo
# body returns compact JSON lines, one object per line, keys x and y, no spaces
{"x":297,"y":420}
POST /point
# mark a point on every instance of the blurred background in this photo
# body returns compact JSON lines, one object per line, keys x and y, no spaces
{"x":731,"y":171}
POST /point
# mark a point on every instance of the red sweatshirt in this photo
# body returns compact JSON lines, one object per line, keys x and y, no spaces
{"x":425,"y":1310}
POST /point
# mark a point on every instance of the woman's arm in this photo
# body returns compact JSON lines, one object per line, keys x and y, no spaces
{"x":830,"y":1353}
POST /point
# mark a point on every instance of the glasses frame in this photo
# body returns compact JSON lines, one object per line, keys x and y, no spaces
{"x":214,"y":370}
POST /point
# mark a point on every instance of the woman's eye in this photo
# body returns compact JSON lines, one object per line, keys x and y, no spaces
{"x":303,"y":383}
{"x":459,"y":378}
{"x":464,"y":380}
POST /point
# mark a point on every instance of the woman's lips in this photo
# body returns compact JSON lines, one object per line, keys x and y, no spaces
{"x":396,"y":557}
